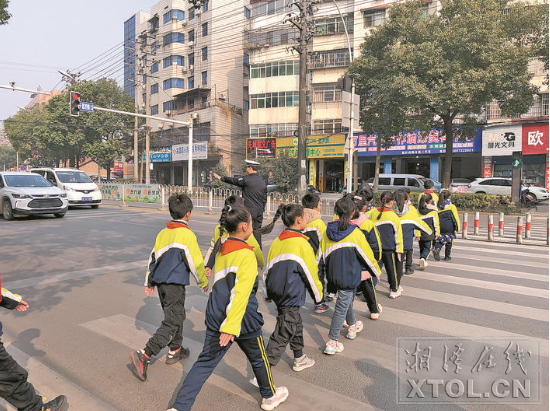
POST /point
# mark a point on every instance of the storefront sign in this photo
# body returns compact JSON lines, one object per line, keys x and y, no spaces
{"x":535,"y":139}
{"x":547,"y":180}
{"x":180,"y":152}
{"x":261,"y":147}
{"x":501,"y":141}
{"x":487,"y":167}
{"x":159,"y":155}
{"x":326,"y":146}
{"x":287,"y":145}
{"x":415,"y":142}
{"x":118,"y":165}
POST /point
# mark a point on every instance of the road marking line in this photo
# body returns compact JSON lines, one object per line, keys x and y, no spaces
{"x":491,"y":271}
{"x":468,"y":248}
{"x":496,"y":244}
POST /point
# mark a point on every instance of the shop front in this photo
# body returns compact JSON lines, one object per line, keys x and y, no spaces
{"x":535,"y":153}
{"x":326,"y":162}
{"x":419,"y":153}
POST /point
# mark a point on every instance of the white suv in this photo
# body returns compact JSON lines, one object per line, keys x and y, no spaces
{"x":80,"y":189}
{"x":501,"y":186}
{"x":25,"y":193}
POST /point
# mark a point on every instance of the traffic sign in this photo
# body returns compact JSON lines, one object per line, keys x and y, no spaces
{"x":83,"y":106}
{"x":516,"y":163}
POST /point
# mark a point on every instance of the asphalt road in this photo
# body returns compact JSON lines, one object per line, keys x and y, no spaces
{"x":83,"y":278}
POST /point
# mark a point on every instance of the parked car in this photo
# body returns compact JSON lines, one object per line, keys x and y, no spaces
{"x":459,"y":185}
{"x":25,"y":193}
{"x":503,"y":187}
{"x":80,"y":189}
{"x":394,"y":182}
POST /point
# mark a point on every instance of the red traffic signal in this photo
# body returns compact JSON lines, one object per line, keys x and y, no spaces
{"x":74,"y":104}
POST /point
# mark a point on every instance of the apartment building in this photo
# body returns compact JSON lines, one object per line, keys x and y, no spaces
{"x":184,"y":63}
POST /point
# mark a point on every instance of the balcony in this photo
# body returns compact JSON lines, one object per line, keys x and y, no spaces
{"x":539,"y":110}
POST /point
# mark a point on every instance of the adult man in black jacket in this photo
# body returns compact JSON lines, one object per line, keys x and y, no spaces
{"x":254,"y":193}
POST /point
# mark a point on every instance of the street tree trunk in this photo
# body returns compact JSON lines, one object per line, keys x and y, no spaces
{"x":449,"y":136}
{"x":377,"y":164}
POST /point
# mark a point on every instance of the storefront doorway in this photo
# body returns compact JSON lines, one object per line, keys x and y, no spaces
{"x":333,"y":176}
{"x":417,"y":166}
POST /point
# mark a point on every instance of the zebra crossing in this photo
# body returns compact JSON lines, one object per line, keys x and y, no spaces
{"x":498,"y":291}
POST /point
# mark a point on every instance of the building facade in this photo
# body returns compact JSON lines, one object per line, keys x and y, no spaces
{"x":184,"y":63}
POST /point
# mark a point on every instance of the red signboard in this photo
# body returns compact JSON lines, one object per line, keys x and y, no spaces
{"x":535,"y":138}
{"x":487,"y":167}
{"x":261,"y":148}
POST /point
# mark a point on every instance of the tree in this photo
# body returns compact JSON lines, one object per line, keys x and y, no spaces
{"x":280,"y":171}
{"x":8,"y":157}
{"x":442,"y":69}
{"x":4,"y":14}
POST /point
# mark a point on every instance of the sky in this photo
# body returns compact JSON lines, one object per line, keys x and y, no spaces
{"x":43,"y":36}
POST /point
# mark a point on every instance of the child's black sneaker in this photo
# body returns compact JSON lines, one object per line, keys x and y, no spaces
{"x":447,"y":259}
{"x":140,"y":361}
{"x":59,"y":403}
{"x":435,"y":252}
{"x":409,"y":271}
{"x":180,"y":354}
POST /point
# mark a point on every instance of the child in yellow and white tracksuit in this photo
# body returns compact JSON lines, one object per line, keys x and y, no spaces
{"x":449,"y":223}
{"x":427,"y":210}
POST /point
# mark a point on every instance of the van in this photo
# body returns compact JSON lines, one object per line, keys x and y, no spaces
{"x":392,"y":182}
{"x":80,"y":189}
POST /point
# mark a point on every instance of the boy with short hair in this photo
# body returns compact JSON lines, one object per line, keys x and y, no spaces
{"x":315,"y":229}
{"x":175,"y":256}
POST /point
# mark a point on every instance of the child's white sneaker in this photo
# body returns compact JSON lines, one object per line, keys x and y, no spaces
{"x":354,"y":329}
{"x":333,"y":347}
{"x":302,"y":363}
{"x":254,"y":382}
{"x":281,"y":394}
{"x":374,"y":316}
{"x":422,"y":264}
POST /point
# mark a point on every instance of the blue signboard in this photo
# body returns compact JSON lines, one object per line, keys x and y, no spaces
{"x":415,"y":143}
{"x":83,"y":106}
{"x":159,"y":155}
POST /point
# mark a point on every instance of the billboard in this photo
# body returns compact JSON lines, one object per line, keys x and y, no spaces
{"x":501,"y":141}
{"x":180,"y":152}
{"x":261,"y":148}
{"x":535,"y":138}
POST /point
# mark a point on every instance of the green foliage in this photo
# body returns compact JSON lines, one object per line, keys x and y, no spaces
{"x":222,"y":172}
{"x":8,"y":157}
{"x":4,"y":14}
{"x":282,"y":170}
{"x":439,"y":70}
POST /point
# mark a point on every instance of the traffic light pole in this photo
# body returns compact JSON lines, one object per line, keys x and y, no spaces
{"x":302,"y":126}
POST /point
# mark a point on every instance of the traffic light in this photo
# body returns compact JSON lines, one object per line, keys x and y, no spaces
{"x":344,"y":83}
{"x":74,"y":104}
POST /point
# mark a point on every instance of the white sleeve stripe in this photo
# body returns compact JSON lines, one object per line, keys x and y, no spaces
{"x":10,"y":295}
{"x":149,"y":265}
{"x":183,"y":247}
{"x":316,"y":230}
{"x":415,"y":223}
{"x":218,"y":276}
{"x":394,"y":229}
{"x":350,"y":245}
{"x":302,"y":263}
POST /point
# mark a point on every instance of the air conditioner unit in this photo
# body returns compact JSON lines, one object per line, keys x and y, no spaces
{"x":184,"y":23}
{"x":222,"y":96}
{"x":191,"y":44}
{"x":184,"y":70}
{"x":191,"y":67}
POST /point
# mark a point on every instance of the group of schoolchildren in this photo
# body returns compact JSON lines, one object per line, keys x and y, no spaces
{"x":334,"y":261}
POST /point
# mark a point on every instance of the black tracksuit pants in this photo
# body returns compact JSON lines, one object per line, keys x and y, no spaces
{"x":172,"y":300}
{"x":288,"y":330}
{"x":367,"y":287}
{"x":212,"y":353}
{"x":390,"y":264}
{"x":408,"y":259}
{"x":14,"y":387}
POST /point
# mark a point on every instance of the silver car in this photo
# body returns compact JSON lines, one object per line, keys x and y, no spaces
{"x":24,"y":193}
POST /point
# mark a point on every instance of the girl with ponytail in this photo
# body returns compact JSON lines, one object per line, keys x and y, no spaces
{"x":220,"y":234}
{"x":232,"y":315}
{"x":391,"y":235}
{"x":427,"y":211}
{"x":449,"y":224}
{"x":343,"y":254}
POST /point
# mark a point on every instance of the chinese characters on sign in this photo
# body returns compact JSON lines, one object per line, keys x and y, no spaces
{"x":501,"y":141}
{"x":160,"y":155}
{"x":417,"y":142}
{"x":535,"y":138}
{"x":180,"y":152}
{"x":261,"y":147}
{"x":440,"y":370}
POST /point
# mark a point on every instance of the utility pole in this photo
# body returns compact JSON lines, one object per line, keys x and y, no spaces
{"x":301,"y":22}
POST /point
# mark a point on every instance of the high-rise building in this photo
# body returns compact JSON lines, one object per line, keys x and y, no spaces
{"x":188,"y":63}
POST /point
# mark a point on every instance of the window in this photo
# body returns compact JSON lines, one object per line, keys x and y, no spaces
{"x":144,"y":79}
{"x":154,"y":88}
{"x":168,"y":61}
{"x":173,"y":38}
{"x":204,"y":77}
{"x":144,"y":98}
{"x":412,"y":182}
{"x":204,"y":53}
{"x":191,"y":59}
{"x":334,"y":25}
{"x":329,"y":58}
{"x":191,"y":35}
{"x":205,"y":29}
{"x":154,"y":24}
{"x":269,"y":100}
{"x":374,"y":18}
{"x":191,"y":82}
{"x":173,"y":83}
{"x":247,"y":12}
{"x":384,"y":181}
{"x":273,"y":130}
{"x":205,"y":6}
{"x":154,"y":109}
{"x":398,"y":181}
{"x":327,"y":92}
{"x":154,"y":47}
{"x":327,"y":126}
{"x":154,"y":68}
{"x":246,"y":104}
{"x":169,"y":106}
{"x":280,"y":68}
{"x":246,"y":59}
{"x":191,"y":13}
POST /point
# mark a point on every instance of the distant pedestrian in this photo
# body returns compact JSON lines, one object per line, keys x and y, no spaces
{"x":410,"y":223}
{"x":175,"y":257}
{"x":314,"y":230}
{"x":427,"y":210}
{"x":343,"y":253}
{"x":429,"y":189}
{"x":231,"y":202}
{"x":232,"y":315}
{"x":291,"y":270}
{"x":254,"y":193}
{"x":391,"y":236}
{"x":449,"y":225}
{"x":14,"y":387}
